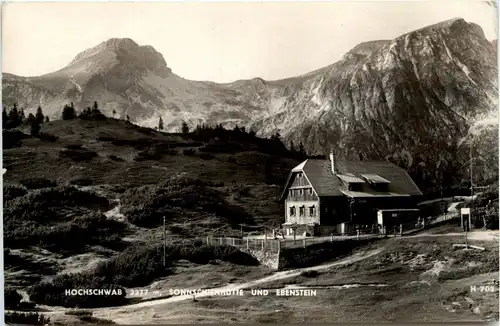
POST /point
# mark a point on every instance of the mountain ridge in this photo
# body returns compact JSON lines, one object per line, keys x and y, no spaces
{"x":386,"y":99}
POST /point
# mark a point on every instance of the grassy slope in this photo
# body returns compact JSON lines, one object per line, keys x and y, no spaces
{"x":36,"y":158}
{"x":417,"y":290}
{"x":243,"y":181}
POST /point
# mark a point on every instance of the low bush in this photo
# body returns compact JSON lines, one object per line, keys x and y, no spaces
{"x":13,"y":191}
{"x":310,"y":274}
{"x":105,"y":138}
{"x":136,"y":266}
{"x":23,"y":318}
{"x":78,"y":155}
{"x":12,"y":138}
{"x":82,"y":182}
{"x":47,"y":137}
{"x":206,"y":156}
{"x":16,"y":263}
{"x":78,"y":312}
{"x":318,"y":253}
{"x":146,"y":205}
{"x":53,"y":293}
{"x":71,"y":237}
{"x":74,"y":146}
{"x":115,"y":158}
{"x":12,"y":298}
{"x":95,"y":320}
{"x":139,"y":265}
{"x":152,"y":153}
{"x":26,"y":305}
{"x":37,"y":183}
{"x":189,"y":152}
{"x":221,"y":146}
{"x":33,"y":205}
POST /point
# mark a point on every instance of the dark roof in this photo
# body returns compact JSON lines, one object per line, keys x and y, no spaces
{"x":325,"y":183}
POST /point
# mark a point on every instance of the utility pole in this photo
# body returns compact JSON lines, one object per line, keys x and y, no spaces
{"x":164,"y":244}
{"x":471,"y":185}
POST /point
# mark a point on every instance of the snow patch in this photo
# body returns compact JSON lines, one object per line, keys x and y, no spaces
{"x":464,"y":68}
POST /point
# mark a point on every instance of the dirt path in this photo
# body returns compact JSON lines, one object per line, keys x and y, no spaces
{"x":232,"y":287}
{"x":473,"y":235}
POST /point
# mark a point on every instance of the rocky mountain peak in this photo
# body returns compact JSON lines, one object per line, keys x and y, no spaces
{"x":127,"y":51}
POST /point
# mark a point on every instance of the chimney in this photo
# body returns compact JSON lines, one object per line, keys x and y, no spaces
{"x":332,"y":162}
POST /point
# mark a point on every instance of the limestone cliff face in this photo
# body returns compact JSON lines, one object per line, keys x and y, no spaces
{"x":413,"y":99}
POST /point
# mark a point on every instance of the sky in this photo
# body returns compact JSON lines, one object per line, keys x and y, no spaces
{"x":220,"y":41}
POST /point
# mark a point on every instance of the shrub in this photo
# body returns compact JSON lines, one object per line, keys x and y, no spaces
{"x":35,"y":128}
{"x":78,"y":155}
{"x":12,"y":138}
{"x":244,"y":191}
{"x":136,"y":266}
{"x":152,"y":153}
{"x":115,"y":158}
{"x":12,"y":298}
{"x":82,"y":182}
{"x":74,"y":146}
{"x":106,"y":138}
{"x":53,"y":293}
{"x":189,"y":152}
{"x":95,"y":320}
{"x":26,"y":318}
{"x":78,"y":312}
{"x":221,"y":146}
{"x":37,"y":183}
{"x":206,"y":156}
{"x":56,"y":197}
{"x":139,"y":265}
{"x":26,"y":305}
{"x":146,"y":205}
{"x":47,"y":137}
{"x":72,"y":236}
{"x":13,"y":191}
{"x":311,"y":274}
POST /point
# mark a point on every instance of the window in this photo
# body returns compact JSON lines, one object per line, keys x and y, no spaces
{"x":302,"y":211}
{"x":312,"y":211}
{"x":301,"y":192}
{"x":355,"y":187}
{"x":299,"y":175}
{"x":310,"y":191}
{"x":292,"y":211}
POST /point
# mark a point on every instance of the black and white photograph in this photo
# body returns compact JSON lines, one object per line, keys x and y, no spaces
{"x":250,"y":162}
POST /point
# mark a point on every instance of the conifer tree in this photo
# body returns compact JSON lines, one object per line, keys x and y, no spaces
{"x":160,"y":124}
{"x":39,"y":115}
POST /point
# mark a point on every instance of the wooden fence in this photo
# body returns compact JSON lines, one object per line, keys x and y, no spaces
{"x":274,"y":245}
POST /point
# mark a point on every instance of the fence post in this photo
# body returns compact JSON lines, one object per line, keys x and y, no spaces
{"x":357,"y":234}
{"x":233,"y":242}
{"x":401,"y":229}
{"x":220,"y":239}
{"x":423,"y":223}
{"x":304,"y":242}
{"x":331,"y":237}
{"x":262,"y":243}
{"x":247,"y":243}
